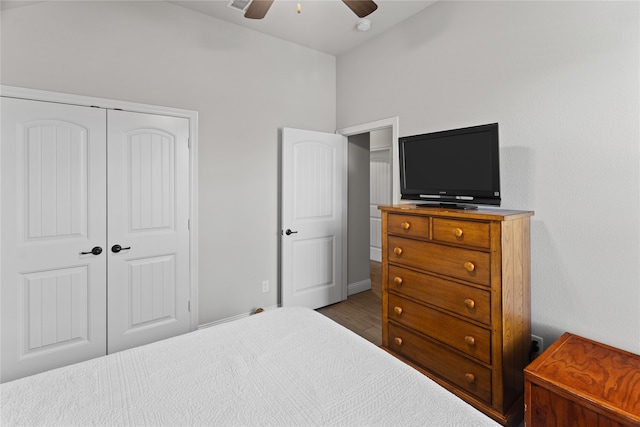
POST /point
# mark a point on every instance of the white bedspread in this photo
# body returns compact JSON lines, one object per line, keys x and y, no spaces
{"x":290,"y":367}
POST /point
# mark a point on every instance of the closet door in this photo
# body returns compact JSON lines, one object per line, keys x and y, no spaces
{"x":148,"y":247}
{"x":53,"y":287}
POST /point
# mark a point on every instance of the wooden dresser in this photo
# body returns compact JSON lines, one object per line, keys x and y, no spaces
{"x":456,"y":300}
{"x":581,"y":382}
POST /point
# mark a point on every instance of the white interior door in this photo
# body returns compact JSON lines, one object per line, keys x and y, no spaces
{"x":313,"y":216}
{"x":148,"y":170}
{"x":53,"y":183}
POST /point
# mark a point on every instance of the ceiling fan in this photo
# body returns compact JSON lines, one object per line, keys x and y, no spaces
{"x":259,"y":8}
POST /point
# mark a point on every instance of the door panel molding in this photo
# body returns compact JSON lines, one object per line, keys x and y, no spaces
{"x":152,"y":291}
{"x":53,"y":309}
{"x":151,"y":182}
{"x":44,"y":184}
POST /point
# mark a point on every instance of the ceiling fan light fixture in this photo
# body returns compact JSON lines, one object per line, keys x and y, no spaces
{"x":363,"y":25}
{"x":257,"y":9}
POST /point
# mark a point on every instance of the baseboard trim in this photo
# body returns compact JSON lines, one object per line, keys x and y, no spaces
{"x":232,"y":318}
{"x":352,"y":288}
{"x":361,"y":286}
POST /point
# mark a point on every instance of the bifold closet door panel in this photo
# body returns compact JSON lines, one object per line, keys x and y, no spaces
{"x":53,"y":235}
{"x":148,"y":220}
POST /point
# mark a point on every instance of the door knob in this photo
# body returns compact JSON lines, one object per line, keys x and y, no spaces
{"x":289,"y":232}
{"x":117,"y":248}
{"x":95,"y":251}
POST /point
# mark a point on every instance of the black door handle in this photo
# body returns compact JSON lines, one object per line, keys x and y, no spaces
{"x":96,"y":251}
{"x":117,"y":248}
{"x":289,"y":232}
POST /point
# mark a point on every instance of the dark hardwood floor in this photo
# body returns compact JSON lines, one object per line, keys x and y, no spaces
{"x":361,"y":312}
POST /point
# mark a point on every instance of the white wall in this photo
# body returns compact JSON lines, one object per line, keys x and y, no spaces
{"x":244,"y":85}
{"x":562,"y":79}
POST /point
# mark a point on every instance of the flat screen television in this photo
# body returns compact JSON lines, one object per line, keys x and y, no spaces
{"x":458,"y":168}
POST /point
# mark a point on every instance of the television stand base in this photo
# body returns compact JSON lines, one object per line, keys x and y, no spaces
{"x":448,"y":205}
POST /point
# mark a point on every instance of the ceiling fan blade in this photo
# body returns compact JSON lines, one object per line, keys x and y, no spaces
{"x":361,"y":8}
{"x":258,"y":9}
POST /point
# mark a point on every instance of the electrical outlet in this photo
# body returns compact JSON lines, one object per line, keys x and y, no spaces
{"x":265,"y":286}
{"x":537,"y":345}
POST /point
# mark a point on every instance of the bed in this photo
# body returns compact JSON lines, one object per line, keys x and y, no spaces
{"x":289,"y":367}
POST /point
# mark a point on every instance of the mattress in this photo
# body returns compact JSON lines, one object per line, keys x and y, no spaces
{"x":284,"y":367}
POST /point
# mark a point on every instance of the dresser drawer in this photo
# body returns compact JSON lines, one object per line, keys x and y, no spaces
{"x":461,"y":299}
{"x":472,"y":233}
{"x":456,"y":369}
{"x":408,"y":225}
{"x":466,"y":264}
{"x":466,"y":337}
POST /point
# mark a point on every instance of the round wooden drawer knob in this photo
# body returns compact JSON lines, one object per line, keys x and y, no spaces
{"x":457,"y":232}
{"x":398,"y":341}
{"x":398,"y":280}
{"x":470,"y":378}
{"x":469,"y":303}
{"x":470,"y":340}
{"x":397,"y":310}
{"x":469,"y":266}
{"x":405,"y":225}
{"x":397,"y":251}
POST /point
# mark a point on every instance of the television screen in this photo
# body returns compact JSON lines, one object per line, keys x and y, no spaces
{"x":459,"y":166}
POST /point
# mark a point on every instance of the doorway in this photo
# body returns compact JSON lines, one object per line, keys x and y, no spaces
{"x":371,"y":146}
{"x":361,"y":312}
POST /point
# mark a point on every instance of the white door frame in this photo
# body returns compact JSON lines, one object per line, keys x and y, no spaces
{"x":192,"y":116}
{"x":393,"y":123}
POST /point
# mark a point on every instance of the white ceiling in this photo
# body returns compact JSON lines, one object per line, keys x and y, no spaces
{"x":325,"y":25}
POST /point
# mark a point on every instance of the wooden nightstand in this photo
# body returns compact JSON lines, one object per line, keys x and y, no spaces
{"x":580,"y":382}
